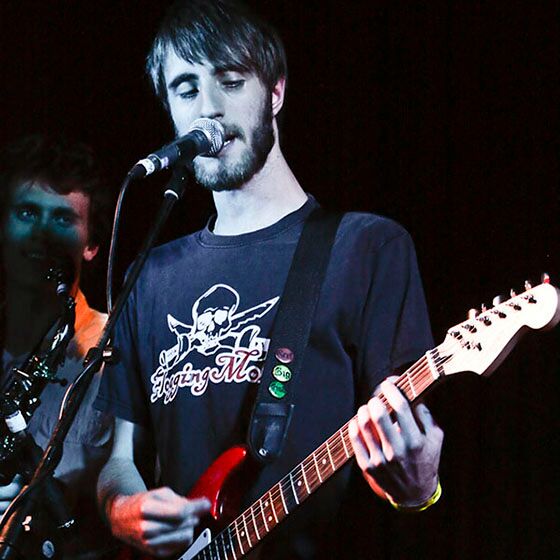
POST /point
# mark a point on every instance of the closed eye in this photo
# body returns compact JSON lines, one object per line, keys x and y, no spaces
{"x":233,"y":84}
{"x":188,"y":94}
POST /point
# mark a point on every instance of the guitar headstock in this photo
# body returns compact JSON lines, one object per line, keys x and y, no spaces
{"x":482,"y":342}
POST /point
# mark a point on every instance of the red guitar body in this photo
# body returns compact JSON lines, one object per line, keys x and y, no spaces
{"x":223,"y":484}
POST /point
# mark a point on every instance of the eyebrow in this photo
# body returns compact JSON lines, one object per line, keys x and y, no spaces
{"x":181,"y":78}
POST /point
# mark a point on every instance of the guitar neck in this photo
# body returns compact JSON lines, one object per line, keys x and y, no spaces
{"x":478,"y":345}
{"x":247,"y":530}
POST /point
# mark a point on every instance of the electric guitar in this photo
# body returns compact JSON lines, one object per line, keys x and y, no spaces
{"x":478,"y":345}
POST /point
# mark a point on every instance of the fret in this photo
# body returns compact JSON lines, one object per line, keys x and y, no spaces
{"x":219,"y":550}
{"x":290,"y":476}
{"x":317,"y":467}
{"x":298,"y":489}
{"x":344,"y":443}
{"x":268,"y":513}
{"x":330,"y":456}
{"x":252,"y":510}
{"x":301,"y":485}
{"x":214,"y":551}
{"x":337,"y":452}
{"x":282,"y":497}
{"x":312,"y":473}
{"x":231,"y":543}
{"x":290,"y":499}
{"x":238,"y":537}
{"x":431,"y":365}
{"x":270,"y":504}
{"x":277,"y":504}
{"x":263,"y":515}
{"x":411,"y":385}
{"x":305,"y":478}
{"x":246,"y":533}
{"x":324,"y":464}
{"x":224,"y":549}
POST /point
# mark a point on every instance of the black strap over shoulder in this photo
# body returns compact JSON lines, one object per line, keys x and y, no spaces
{"x":274,"y":405}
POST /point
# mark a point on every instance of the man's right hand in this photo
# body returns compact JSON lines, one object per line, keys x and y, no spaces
{"x":9,"y":492}
{"x":158,"y":522}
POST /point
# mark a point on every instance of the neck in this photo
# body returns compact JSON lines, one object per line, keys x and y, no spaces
{"x":267,"y":197}
{"x":29,"y":313}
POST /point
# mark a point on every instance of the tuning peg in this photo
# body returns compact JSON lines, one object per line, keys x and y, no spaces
{"x":527,"y":285}
{"x":497,"y":300}
{"x":512,"y":293}
{"x":483,"y":308}
{"x":472,"y":314}
{"x":545,"y":278}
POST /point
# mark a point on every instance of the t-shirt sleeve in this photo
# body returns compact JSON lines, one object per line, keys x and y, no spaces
{"x":395,"y":327}
{"x":121,"y":392}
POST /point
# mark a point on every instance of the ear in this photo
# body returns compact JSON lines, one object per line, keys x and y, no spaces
{"x":89,"y":252}
{"x":278,"y":95}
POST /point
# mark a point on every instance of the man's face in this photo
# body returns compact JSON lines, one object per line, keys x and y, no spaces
{"x":239,"y":101}
{"x":42,"y":228}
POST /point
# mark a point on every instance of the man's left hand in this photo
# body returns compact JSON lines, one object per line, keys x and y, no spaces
{"x":399,"y":454}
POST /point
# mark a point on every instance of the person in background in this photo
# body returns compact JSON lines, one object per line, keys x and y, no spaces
{"x":54,"y":212}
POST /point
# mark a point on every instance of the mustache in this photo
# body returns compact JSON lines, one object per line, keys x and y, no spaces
{"x":233,"y":131}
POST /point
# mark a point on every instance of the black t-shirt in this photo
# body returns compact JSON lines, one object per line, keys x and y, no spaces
{"x":194,"y":333}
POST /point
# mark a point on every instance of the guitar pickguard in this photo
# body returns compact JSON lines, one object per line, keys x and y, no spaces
{"x":203,"y":539}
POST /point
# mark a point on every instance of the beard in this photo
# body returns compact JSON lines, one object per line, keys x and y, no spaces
{"x":233,"y":177}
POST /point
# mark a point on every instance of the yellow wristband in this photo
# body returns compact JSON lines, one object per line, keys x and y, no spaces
{"x":420,"y":507}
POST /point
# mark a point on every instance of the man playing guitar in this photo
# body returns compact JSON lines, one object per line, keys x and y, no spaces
{"x":195,"y":328}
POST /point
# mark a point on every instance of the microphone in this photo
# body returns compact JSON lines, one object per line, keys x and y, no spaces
{"x":62,"y":273}
{"x":205,"y":137}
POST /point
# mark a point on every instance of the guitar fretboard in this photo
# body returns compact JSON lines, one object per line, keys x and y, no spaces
{"x":476,"y":345}
{"x":247,"y":530}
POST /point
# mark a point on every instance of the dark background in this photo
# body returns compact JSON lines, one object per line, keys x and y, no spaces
{"x":441,"y":115}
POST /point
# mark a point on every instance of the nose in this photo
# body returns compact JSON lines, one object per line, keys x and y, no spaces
{"x":42,"y":228}
{"x":211,"y":103}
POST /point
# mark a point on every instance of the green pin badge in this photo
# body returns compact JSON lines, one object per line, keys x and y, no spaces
{"x":277,"y":390}
{"x":282,"y":373}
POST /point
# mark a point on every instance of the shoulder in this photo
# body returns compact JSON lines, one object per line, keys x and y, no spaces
{"x":370,"y":232}
{"x":89,"y":325}
{"x":167,"y":258}
{"x":163,"y":255}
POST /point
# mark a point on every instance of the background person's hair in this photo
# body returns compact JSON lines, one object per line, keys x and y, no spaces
{"x":62,"y":164}
{"x":224,"y":32}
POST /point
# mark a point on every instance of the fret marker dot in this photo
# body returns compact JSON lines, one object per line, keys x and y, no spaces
{"x":270,"y":517}
{"x":266,"y":503}
{"x":299,"y":483}
{"x":242,"y":533}
{"x":324,"y":461}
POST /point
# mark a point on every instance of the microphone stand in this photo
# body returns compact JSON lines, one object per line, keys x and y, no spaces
{"x":15,"y":520}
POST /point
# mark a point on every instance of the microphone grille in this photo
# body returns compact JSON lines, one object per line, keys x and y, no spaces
{"x":213,"y":130}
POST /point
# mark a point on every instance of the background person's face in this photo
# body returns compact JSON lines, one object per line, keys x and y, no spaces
{"x":42,"y":228}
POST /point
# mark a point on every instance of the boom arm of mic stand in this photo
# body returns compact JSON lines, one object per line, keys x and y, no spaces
{"x":11,"y":530}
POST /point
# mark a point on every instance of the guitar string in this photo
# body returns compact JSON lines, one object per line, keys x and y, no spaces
{"x":334,"y":447}
{"x":339,"y":448}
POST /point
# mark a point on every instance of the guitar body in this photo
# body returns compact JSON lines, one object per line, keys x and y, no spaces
{"x":223,"y":484}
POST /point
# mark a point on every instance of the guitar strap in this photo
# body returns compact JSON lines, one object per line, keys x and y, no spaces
{"x":274,"y":404}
